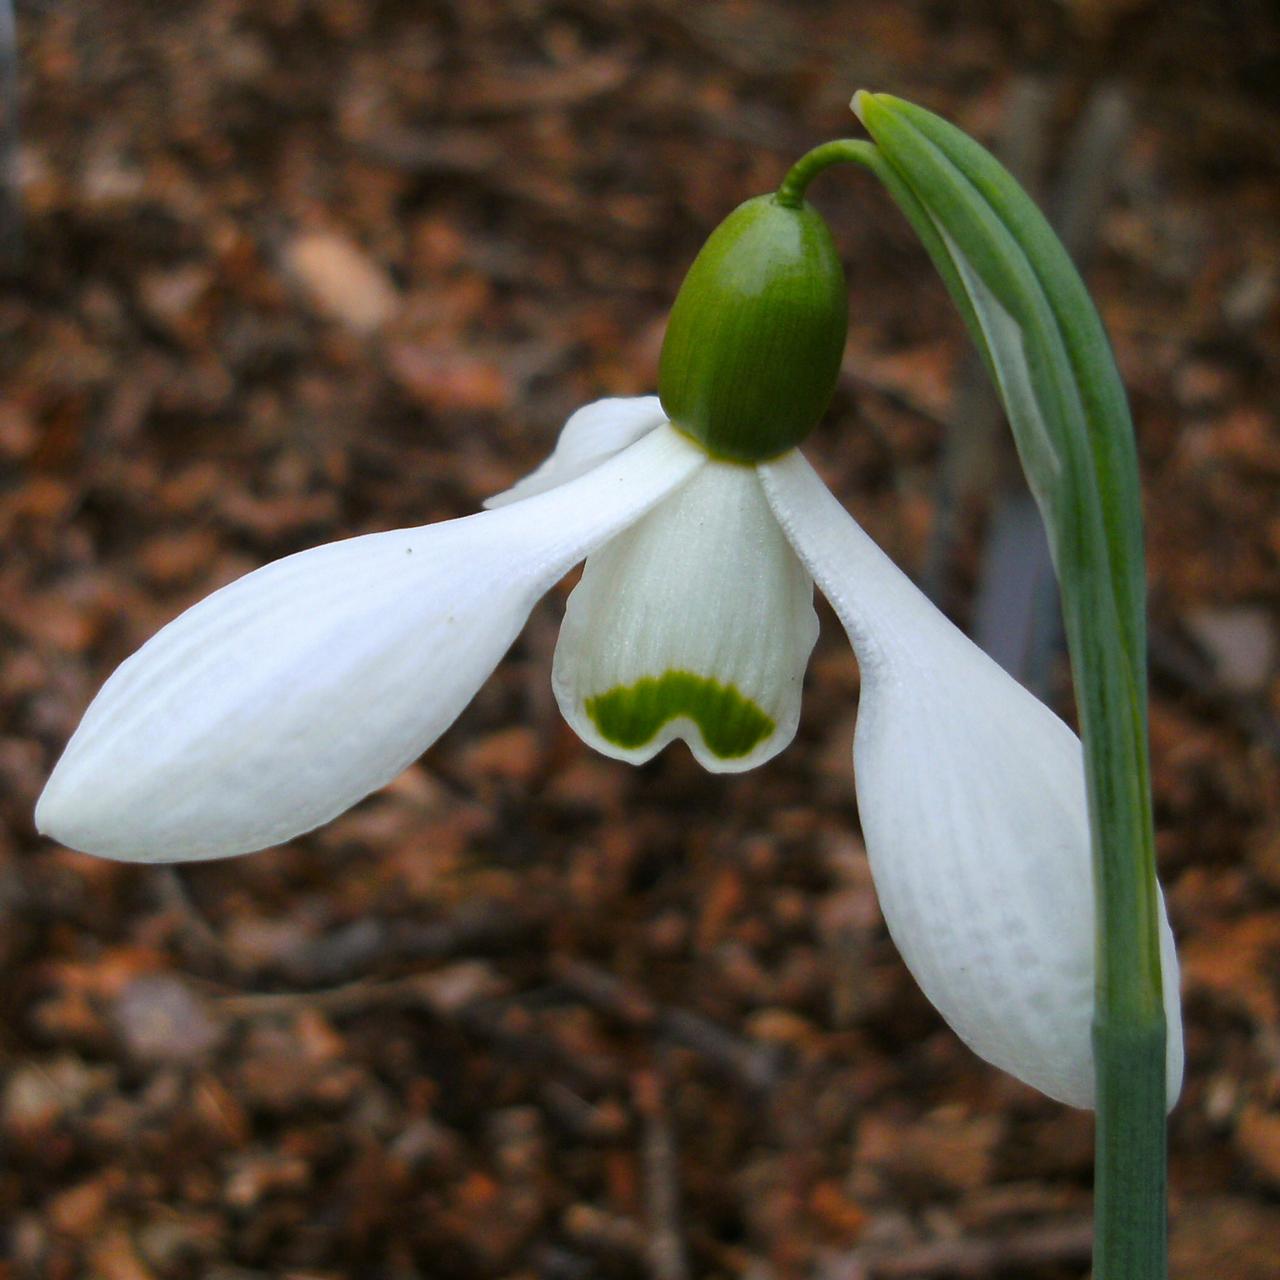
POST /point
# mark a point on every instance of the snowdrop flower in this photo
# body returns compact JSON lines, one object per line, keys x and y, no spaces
{"x":285,"y":697}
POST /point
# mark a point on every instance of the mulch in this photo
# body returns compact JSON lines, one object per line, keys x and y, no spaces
{"x":299,"y":269}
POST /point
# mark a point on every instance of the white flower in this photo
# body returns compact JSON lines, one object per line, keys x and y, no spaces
{"x":282,"y":699}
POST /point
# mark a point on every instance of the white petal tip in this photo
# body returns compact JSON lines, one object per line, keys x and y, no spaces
{"x":591,"y":436}
{"x":47,"y":818}
{"x":86,"y":813}
{"x":58,"y":817}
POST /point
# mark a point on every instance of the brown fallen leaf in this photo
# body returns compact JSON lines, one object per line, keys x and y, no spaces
{"x":341,"y":281}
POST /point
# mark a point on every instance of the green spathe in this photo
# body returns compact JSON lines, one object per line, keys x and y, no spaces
{"x":629,"y":716}
{"x":755,"y":339}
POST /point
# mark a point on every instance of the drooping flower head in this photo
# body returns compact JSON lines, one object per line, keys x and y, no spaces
{"x":284,"y":698}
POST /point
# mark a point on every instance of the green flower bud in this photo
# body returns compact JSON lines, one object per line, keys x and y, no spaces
{"x":756,"y":336}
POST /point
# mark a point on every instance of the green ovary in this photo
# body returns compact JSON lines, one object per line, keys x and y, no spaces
{"x":630,"y":715}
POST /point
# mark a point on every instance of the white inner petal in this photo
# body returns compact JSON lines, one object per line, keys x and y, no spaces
{"x":591,"y":436}
{"x":697,"y":622}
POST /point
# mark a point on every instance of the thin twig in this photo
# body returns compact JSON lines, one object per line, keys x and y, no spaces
{"x":467,"y":994}
{"x":370,"y":944}
{"x":202,"y":949}
{"x":665,"y":1244}
{"x":751,"y":1065}
{"x":1062,"y":1243}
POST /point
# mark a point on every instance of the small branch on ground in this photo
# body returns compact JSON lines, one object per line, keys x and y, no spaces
{"x":665,"y":1245}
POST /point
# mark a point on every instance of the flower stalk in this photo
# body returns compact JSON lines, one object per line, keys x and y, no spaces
{"x":1044,"y":345}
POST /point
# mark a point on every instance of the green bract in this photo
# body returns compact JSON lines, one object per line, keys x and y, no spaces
{"x":754,"y":342}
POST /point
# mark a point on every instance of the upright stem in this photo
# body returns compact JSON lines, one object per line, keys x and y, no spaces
{"x":1130,"y":1152}
{"x":1129,"y":1029}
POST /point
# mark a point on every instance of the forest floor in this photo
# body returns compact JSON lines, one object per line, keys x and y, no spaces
{"x":292,"y":270}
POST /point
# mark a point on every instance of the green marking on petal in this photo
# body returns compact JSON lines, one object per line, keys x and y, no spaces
{"x":630,"y":715}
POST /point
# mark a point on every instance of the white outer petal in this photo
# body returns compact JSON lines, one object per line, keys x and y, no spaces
{"x":285,"y":697}
{"x":592,"y":435}
{"x":706,"y":585}
{"x":972,"y":799}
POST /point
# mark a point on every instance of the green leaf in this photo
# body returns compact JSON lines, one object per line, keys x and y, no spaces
{"x":960,"y":176}
{"x":1044,"y":344}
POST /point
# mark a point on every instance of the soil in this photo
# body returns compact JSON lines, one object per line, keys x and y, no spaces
{"x":284,"y":271}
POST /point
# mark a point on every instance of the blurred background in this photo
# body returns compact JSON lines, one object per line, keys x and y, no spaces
{"x":279,"y":271}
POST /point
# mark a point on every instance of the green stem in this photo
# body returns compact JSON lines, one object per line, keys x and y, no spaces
{"x":1129,"y":1228}
{"x":842,"y":151}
